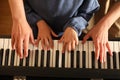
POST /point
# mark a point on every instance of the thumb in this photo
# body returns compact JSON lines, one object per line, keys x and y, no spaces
{"x":85,"y":38}
{"x":55,"y":35}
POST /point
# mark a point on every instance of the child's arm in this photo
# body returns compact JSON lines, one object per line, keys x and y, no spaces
{"x":77,"y":23}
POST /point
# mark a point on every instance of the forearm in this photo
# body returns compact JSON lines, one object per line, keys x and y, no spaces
{"x":17,"y":10}
{"x":112,"y":15}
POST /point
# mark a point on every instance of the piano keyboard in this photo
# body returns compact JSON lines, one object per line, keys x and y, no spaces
{"x":47,"y":63}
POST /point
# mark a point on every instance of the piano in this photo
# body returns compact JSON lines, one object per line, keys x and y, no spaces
{"x":80,"y":63}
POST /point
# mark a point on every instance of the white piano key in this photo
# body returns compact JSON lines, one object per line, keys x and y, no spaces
{"x":96,"y":61}
{"x":54,"y":52}
{"x":51,"y":57}
{"x":18,"y":61}
{"x":69,"y":60}
{"x":111,"y":58}
{"x":39,"y":58}
{"x":4,"y":52}
{"x":80,"y":49}
{"x":75,"y":61}
{"x":10,"y":53}
{"x":85,"y":48}
{"x":15,"y":59}
{"x":2,"y":43}
{"x":60,"y":55}
{"x":39,"y":54}
{"x":30,"y":58}
{"x":66,"y":59}
{"x":24,"y":61}
{"x":31,"y":51}
{"x":33,"y":55}
{"x":45,"y":58}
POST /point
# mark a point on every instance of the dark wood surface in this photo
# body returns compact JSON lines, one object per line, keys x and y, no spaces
{"x":5,"y":18}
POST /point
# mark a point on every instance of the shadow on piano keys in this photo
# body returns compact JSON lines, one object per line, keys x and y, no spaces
{"x":79,"y":63}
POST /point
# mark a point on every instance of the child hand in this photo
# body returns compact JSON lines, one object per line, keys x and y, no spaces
{"x":44,"y":34}
{"x":69,"y":39}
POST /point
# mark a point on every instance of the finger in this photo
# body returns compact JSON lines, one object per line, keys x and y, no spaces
{"x":19,"y":48}
{"x":55,"y":35}
{"x":61,"y":39}
{"x":43,"y":44}
{"x":32,"y":38}
{"x":101,"y":52}
{"x":76,"y":41}
{"x":68,"y":46}
{"x":97,"y":49}
{"x":51,"y":42}
{"x":85,"y":38}
{"x":104,"y":58}
{"x":73,"y":45}
{"x":13,"y":42}
{"x":46,"y":44}
{"x":37,"y":41}
{"x":64,"y":48}
{"x":109,"y":49}
{"x":26,"y":43}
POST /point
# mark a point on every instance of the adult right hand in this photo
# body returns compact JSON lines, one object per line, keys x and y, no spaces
{"x":21,"y":36}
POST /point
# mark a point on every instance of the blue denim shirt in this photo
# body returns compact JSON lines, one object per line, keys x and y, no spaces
{"x":60,"y":14}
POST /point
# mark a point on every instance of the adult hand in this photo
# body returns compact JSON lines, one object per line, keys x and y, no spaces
{"x":99,"y":34}
{"x":21,"y":36}
{"x":44,"y":34}
{"x":69,"y":39}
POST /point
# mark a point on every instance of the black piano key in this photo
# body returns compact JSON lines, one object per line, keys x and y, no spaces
{"x":99,"y":64}
{"x":119,"y":59}
{"x":63,"y":60}
{"x":72,"y":58}
{"x":1,"y":56}
{"x":57,"y":58}
{"x":21,"y":62}
{"x":36,"y":58}
{"x":83,"y":59}
{"x":114,"y":60}
{"x":93,"y":59}
{"x":108,"y":60}
{"x":12,"y":57}
{"x":78,"y":59}
{"x":42,"y":58}
{"x":28,"y":58}
{"x":48,"y":58}
{"x":6,"y":56}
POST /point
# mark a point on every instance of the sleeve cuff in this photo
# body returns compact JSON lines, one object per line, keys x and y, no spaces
{"x":78,"y":24}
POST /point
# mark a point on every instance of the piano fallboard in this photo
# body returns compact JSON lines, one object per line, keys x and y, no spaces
{"x":60,"y":72}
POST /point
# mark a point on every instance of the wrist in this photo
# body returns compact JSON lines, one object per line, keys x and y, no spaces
{"x":41,"y":24}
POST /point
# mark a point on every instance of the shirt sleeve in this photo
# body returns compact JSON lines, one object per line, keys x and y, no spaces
{"x":32,"y":16}
{"x":85,"y":12}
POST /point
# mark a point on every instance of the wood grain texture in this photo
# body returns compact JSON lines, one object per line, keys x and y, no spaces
{"x":5,"y":18}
